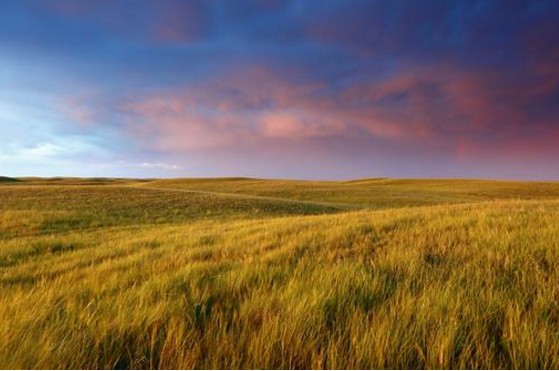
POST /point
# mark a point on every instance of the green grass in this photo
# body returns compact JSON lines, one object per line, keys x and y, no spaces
{"x":245,"y":273}
{"x":5,"y":179}
{"x":374,"y":193}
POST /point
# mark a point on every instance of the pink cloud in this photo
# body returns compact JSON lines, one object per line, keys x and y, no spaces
{"x":283,"y":125}
{"x":259,"y":105}
{"x":80,"y":109}
{"x":299,"y":124}
{"x":256,"y":105}
{"x":444,"y":109}
{"x":167,"y":127}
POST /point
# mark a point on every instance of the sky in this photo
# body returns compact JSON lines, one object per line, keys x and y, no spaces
{"x":330,"y":89}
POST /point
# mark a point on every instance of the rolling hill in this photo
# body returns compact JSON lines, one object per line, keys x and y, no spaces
{"x":249,"y":273}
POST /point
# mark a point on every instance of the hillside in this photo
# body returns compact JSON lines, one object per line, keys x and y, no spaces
{"x":374,"y":193}
{"x":5,"y":179}
{"x":246,"y":273}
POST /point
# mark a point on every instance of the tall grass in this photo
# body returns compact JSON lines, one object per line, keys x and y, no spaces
{"x":451,"y":286}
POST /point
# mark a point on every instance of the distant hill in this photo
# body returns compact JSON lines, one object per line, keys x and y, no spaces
{"x":5,"y":179}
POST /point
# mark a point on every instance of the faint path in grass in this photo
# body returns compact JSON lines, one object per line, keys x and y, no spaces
{"x":341,"y":206}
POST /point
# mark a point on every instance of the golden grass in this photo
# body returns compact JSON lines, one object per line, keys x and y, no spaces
{"x":374,"y":193}
{"x":147,"y":278}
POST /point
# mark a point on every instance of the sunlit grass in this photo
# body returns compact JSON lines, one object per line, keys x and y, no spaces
{"x":117,"y":275}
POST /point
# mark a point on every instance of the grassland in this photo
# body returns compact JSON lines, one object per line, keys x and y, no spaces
{"x":247,"y":273}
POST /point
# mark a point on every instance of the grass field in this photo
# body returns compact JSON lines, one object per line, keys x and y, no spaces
{"x":247,"y":273}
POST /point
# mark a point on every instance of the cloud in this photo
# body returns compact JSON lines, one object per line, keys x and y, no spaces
{"x":256,"y":105}
{"x":42,"y":150}
{"x":445,"y":105}
{"x":408,"y":82}
{"x":146,"y":164}
{"x":297,"y":124}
